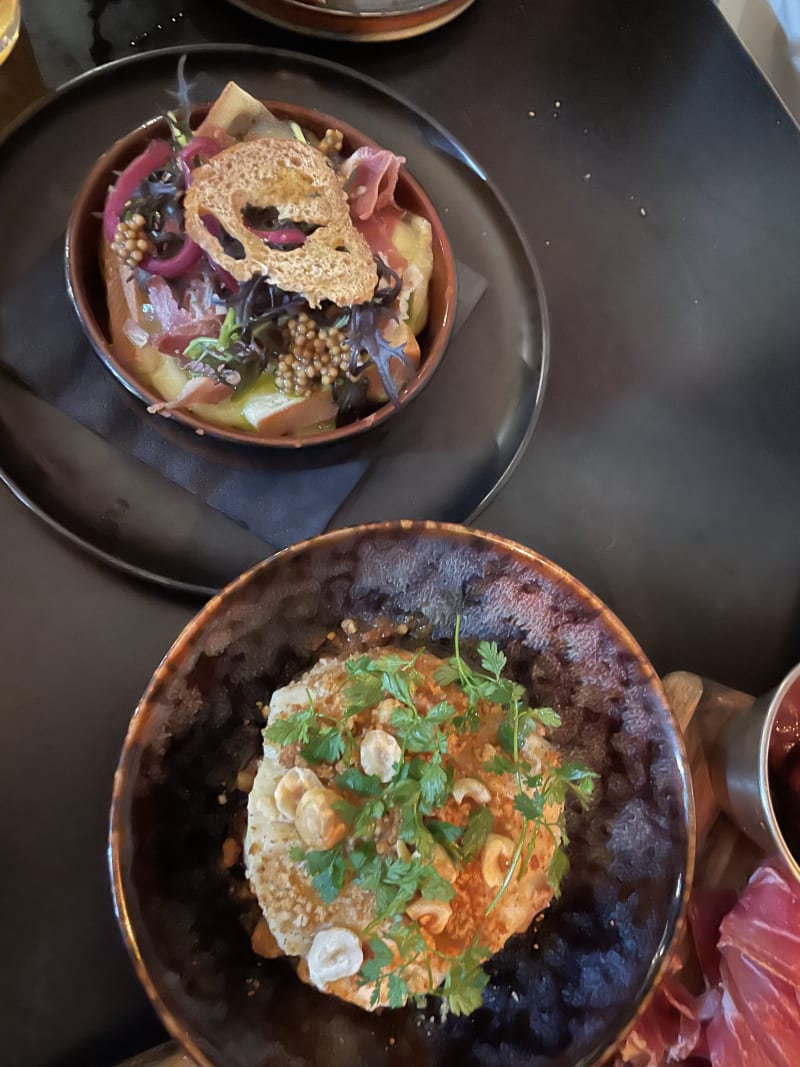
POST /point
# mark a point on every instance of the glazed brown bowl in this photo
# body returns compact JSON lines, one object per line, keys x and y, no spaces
{"x":358,"y":20}
{"x":561,"y":994}
{"x":87,"y":290}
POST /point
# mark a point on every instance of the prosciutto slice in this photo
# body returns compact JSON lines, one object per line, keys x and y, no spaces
{"x":765,"y":925}
{"x":167,"y":309}
{"x":749,"y":1015}
{"x":174,"y":342}
{"x":371,"y":174}
{"x":669,"y":1030}
{"x":196,"y":316}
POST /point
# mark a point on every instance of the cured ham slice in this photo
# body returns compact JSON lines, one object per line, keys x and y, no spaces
{"x":749,"y":1015}
{"x":768,"y":1006}
{"x":196,"y":315}
{"x":669,"y":1030}
{"x":166,"y":308}
{"x":174,"y":343}
{"x":371,"y":174}
{"x":765,"y":927}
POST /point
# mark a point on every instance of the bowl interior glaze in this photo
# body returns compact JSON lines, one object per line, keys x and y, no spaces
{"x":559,"y":995}
{"x":87,"y":290}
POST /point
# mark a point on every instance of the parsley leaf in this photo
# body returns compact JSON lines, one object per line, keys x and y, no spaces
{"x":530,"y":807}
{"x":414,"y":732}
{"x":381,"y":956}
{"x":433,"y":887}
{"x":557,"y":870}
{"x":296,"y":727}
{"x":500,"y":764}
{"x":403,"y":794}
{"x":358,"y":665}
{"x":348,"y":812}
{"x":441,"y":713}
{"x":527,"y":723}
{"x":445,"y":833}
{"x":398,"y":991}
{"x":391,"y":663}
{"x":546,"y":716}
{"x":464,"y":985}
{"x":368,"y":815}
{"x":433,"y":783}
{"x":478,"y":829}
{"x":364,"y":691}
{"x":369,"y":869}
{"x":446,"y":673}
{"x":492,"y":659}
{"x":578,"y":778}
{"x":358,"y":782}
{"x":505,"y":736}
{"x":326,"y":747}
{"x":362,"y":854}
{"x":405,"y":876}
{"x":327,"y":871}
{"x":398,"y":686}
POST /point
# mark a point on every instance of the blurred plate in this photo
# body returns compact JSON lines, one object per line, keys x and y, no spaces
{"x":357,"y":20}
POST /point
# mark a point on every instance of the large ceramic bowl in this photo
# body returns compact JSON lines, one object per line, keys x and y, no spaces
{"x":87,"y":290}
{"x":562,"y":994}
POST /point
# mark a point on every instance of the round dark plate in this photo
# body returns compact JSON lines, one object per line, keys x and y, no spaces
{"x":560,"y":994}
{"x":357,"y":20}
{"x":443,"y":458}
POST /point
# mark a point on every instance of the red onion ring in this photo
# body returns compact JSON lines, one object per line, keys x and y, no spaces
{"x":175,"y":265}
{"x":154,"y":156}
{"x":287,"y":235}
{"x":205,"y":147}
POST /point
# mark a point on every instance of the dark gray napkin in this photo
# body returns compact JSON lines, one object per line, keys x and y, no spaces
{"x":281,"y":497}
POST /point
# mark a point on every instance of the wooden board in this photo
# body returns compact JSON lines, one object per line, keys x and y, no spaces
{"x":725,"y":857}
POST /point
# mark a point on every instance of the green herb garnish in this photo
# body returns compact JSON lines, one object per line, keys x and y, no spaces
{"x":421,"y":783}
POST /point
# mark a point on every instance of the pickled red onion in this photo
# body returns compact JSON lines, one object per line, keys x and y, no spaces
{"x":154,"y":156}
{"x":287,"y":235}
{"x":175,"y":265}
{"x":205,"y":147}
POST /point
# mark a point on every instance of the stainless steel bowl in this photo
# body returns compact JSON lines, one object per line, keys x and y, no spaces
{"x":739,"y":765}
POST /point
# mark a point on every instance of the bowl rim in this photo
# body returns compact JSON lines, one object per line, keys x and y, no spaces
{"x":779,"y":695}
{"x":97,"y":337}
{"x":123,"y":782}
{"x":302,"y":16}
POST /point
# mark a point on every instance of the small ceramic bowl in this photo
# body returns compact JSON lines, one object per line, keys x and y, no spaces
{"x":562,"y":994}
{"x":87,"y":290}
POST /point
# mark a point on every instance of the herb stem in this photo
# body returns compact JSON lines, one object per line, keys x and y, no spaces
{"x":521,"y":839}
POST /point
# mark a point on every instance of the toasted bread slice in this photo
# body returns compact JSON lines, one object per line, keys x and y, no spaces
{"x":335,"y":263}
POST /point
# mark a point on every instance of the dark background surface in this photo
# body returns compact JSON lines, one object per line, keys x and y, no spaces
{"x":661,"y":200}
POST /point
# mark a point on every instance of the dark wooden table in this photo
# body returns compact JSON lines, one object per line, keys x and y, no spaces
{"x":658,"y":181}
